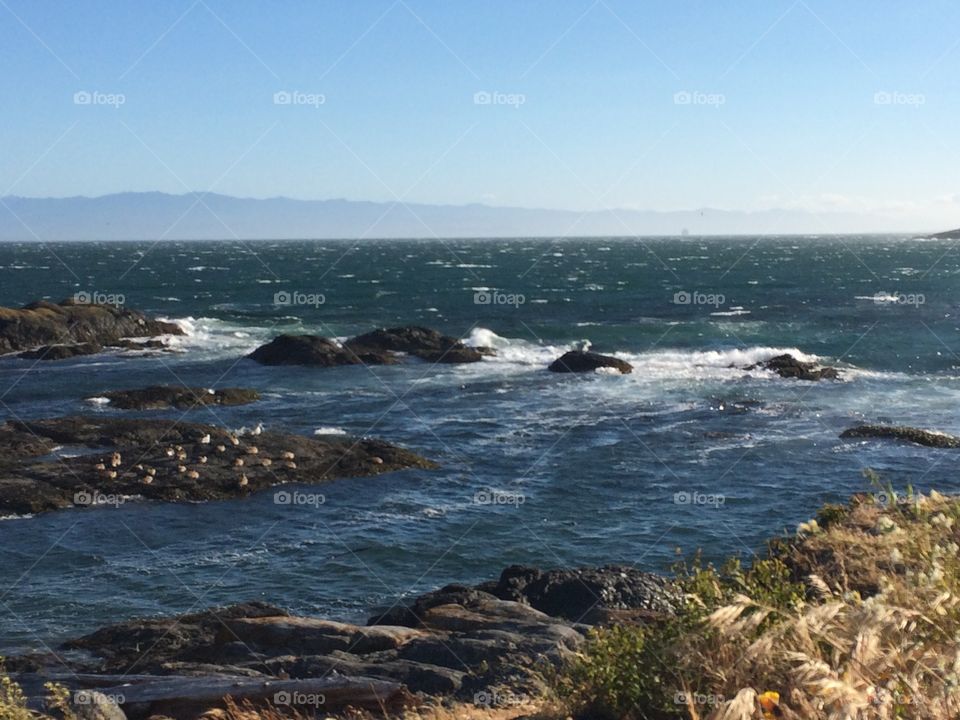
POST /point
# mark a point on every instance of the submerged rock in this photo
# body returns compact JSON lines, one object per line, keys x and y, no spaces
{"x":61,"y":352}
{"x":379,"y":347}
{"x":68,"y":323}
{"x":787,"y":366}
{"x":158,"y":397}
{"x":578,"y":361}
{"x":930,"y":438}
{"x":128,"y":458}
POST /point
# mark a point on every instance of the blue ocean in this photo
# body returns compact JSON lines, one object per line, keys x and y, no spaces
{"x":691,"y":450}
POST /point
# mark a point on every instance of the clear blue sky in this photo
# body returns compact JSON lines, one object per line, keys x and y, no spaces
{"x":783,"y":104}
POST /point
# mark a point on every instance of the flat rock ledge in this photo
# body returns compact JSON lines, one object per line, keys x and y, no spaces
{"x":113,"y":460}
{"x":579,"y":361}
{"x":489,"y":642}
{"x":929,"y":438}
{"x":71,"y":328}
{"x":379,"y":347}
{"x":788,"y":366}
{"x":160,"y":397}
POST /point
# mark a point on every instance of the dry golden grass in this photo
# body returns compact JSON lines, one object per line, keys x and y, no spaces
{"x":247,"y":711}
{"x":874,"y":636}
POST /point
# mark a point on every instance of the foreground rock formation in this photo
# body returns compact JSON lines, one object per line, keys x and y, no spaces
{"x":578,"y":361}
{"x":787,"y":366}
{"x":488,"y":641}
{"x":152,"y":459}
{"x":158,"y":397}
{"x":87,"y":326}
{"x":930,"y":438}
{"x":380,"y":347}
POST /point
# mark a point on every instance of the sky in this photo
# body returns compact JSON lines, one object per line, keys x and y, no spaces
{"x":567,"y":104}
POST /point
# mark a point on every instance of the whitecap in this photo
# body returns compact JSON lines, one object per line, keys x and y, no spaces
{"x":328,"y":430}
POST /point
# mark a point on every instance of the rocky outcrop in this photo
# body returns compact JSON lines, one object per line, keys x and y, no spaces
{"x":158,"y":397}
{"x":930,"y":438}
{"x":490,"y":641}
{"x":580,"y":595}
{"x":787,"y":366}
{"x":72,"y":323}
{"x":122,"y":459}
{"x":578,"y":361}
{"x":380,"y":347}
{"x":948,"y":235}
{"x":309,"y":350}
{"x":421,"y":342}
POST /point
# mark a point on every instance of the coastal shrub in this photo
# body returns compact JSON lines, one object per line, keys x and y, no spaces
{"x":871,"y":632}
{"x":13,"y":701}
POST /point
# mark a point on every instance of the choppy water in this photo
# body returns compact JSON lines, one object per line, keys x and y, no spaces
{"x":593,"y":464}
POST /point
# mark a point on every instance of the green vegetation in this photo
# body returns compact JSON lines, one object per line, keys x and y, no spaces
{"x":857,"y":615}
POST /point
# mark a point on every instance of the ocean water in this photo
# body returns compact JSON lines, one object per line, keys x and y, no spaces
{"x":690,"y":451}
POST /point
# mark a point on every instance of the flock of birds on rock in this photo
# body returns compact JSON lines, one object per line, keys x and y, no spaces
{"x":250,"y":457}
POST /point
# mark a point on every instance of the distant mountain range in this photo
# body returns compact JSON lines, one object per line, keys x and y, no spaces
{"x":207,"y":216}
{"x":948,"y":235}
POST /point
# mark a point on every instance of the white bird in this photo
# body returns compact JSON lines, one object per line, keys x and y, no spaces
{"x":582,"y":345}
{"x":257,"y":430}
{"x":205,"y":440}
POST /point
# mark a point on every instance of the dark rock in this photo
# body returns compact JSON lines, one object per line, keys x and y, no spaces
{"x":159,"y":397}
{"x":380,"y":347}
{"x":930,"y":438}
{"x":456,"y":641}
{"x":140,"y":345}
{"x":948,"y":235}
{"x":61,"y":352}
{"x":578,"y":361}
{"x":575,"y":594}
{"x":309,"y":350}
{"x":44,"y":323}
{"x":181,"y":461}
{"x":787,"y":366}
{"x":421,"y":342}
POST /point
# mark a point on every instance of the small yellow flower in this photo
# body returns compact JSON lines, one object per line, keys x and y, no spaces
{"x":770,"y":704}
